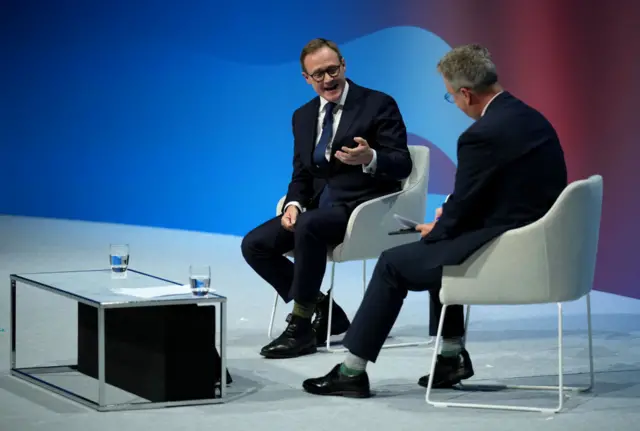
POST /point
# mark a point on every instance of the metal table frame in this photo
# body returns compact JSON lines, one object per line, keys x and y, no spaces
{"x":27,"y":373}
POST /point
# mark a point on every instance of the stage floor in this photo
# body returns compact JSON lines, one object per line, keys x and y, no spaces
{"x":507,"y":344}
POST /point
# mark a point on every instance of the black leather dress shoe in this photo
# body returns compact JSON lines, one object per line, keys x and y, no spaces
{"x":297,"y":340}
{"x":337,"y":384}
{"x":339,"y":320}
{"x":449,"y":371}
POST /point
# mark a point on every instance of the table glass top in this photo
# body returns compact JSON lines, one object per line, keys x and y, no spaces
{"x":104,"y":287}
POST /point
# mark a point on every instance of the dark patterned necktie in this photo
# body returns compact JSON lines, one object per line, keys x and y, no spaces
{"x":319,"y":154}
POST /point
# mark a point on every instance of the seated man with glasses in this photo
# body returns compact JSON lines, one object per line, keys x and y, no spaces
{"x":350,"y":146}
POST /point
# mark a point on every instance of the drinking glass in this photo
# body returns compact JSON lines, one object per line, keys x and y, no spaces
{"x":200,"y":279}
{"x":119,"y":258}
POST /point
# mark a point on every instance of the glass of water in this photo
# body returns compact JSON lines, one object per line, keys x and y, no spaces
{"x":119,"y":258}
{"x":200,"y":279}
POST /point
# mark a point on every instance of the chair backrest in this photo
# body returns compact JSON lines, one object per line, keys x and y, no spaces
{"x":550,"y":260}
{"x":414,"y":200}
{"x":367,"y":231}
{"x":419,"y":173}
{"x":572,"y":230}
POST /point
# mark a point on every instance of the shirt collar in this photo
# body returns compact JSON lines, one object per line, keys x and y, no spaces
{"x":489,"y":102}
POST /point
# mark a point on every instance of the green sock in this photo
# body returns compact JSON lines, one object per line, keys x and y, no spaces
{"x":451,"y":347}
{"x":302,"y":310}
{"x":353,"y":366}
{"x":346,"y":371}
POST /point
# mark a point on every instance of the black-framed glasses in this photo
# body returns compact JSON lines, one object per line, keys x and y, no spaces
{"x":332,"y":71}
{"x":449,"y":97}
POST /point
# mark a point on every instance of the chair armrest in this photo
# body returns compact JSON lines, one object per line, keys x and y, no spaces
{"x":368,"y":229}
{"x":280,"y":205}
{"x":511,"y":269}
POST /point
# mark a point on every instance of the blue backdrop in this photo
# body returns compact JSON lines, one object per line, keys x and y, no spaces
{"x":178,"y":114}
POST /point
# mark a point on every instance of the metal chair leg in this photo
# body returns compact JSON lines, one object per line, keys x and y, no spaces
{"x":273,"y":316}
{"x":466,"y":325}
{"x":364,"y":277}
{"x":328,"y":340}
{"x":560,"y":388}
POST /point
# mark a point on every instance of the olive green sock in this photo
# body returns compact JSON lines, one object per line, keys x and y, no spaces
{"x":303,"y":310}
{"x":451,"y":347}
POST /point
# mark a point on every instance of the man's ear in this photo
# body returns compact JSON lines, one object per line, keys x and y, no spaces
{"x":466,"y":94}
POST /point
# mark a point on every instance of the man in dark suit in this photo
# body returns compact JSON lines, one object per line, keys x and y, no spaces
{"x":511,"y":169}
{"x":350,"y":146}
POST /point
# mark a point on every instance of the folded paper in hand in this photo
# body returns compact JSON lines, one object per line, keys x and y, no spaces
{"x":154,"y":292}
{"x":405,"y":222}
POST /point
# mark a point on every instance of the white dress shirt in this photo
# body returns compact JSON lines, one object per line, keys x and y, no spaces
{"x":489,"y":102}
{"x":337,"y":115}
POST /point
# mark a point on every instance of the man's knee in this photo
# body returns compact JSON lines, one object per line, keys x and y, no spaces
{"x":386,"y":277}
{"x":384,"y":266}
{"x":390,"y":262}
{"x":399,"y":255}
{"x":248,"y":245}
{"x":390,"y":257}
{"x":326,"y":226}
{"x":252,"y":243}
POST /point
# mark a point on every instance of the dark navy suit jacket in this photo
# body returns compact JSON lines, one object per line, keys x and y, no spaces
{"x":369,"y":114}
{"x":511,"y":169}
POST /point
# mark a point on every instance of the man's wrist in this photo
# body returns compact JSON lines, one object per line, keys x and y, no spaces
{"x":370,"y":167}
{"x":295,"y":207}
{"x":370,"y":155}
{"x":295,"y":204}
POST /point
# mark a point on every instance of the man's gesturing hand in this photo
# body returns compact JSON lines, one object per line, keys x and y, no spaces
{"x":360,"y":155}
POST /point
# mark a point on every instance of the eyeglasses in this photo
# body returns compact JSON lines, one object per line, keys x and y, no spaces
{"x":332,"y":71}
{"x":449,"y":97}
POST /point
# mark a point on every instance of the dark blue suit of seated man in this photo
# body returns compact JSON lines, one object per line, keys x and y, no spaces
{"x":350,"y":146}
{"x":511,"y":169}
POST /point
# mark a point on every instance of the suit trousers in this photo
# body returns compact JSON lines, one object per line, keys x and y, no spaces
{"x":399,"y":270}
{"x":315,"y":233}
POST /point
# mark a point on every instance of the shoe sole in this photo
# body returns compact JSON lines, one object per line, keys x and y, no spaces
{"x":345,"y":394}
{"x":307,"y":351}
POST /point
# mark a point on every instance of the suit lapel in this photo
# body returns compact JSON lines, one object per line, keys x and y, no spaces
{"x":349,"y":113}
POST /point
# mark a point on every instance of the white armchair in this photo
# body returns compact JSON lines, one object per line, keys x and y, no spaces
{"x":367,"y":231}
{"x":549,"y":261}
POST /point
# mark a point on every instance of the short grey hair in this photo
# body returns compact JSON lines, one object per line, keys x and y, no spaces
{"x":469,"y":66}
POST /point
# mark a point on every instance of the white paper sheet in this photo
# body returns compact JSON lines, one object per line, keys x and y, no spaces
{"x":154,"y":292}
{"x":405,"y":222}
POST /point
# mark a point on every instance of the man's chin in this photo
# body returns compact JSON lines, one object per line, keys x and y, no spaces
{"x":333,"y":95}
